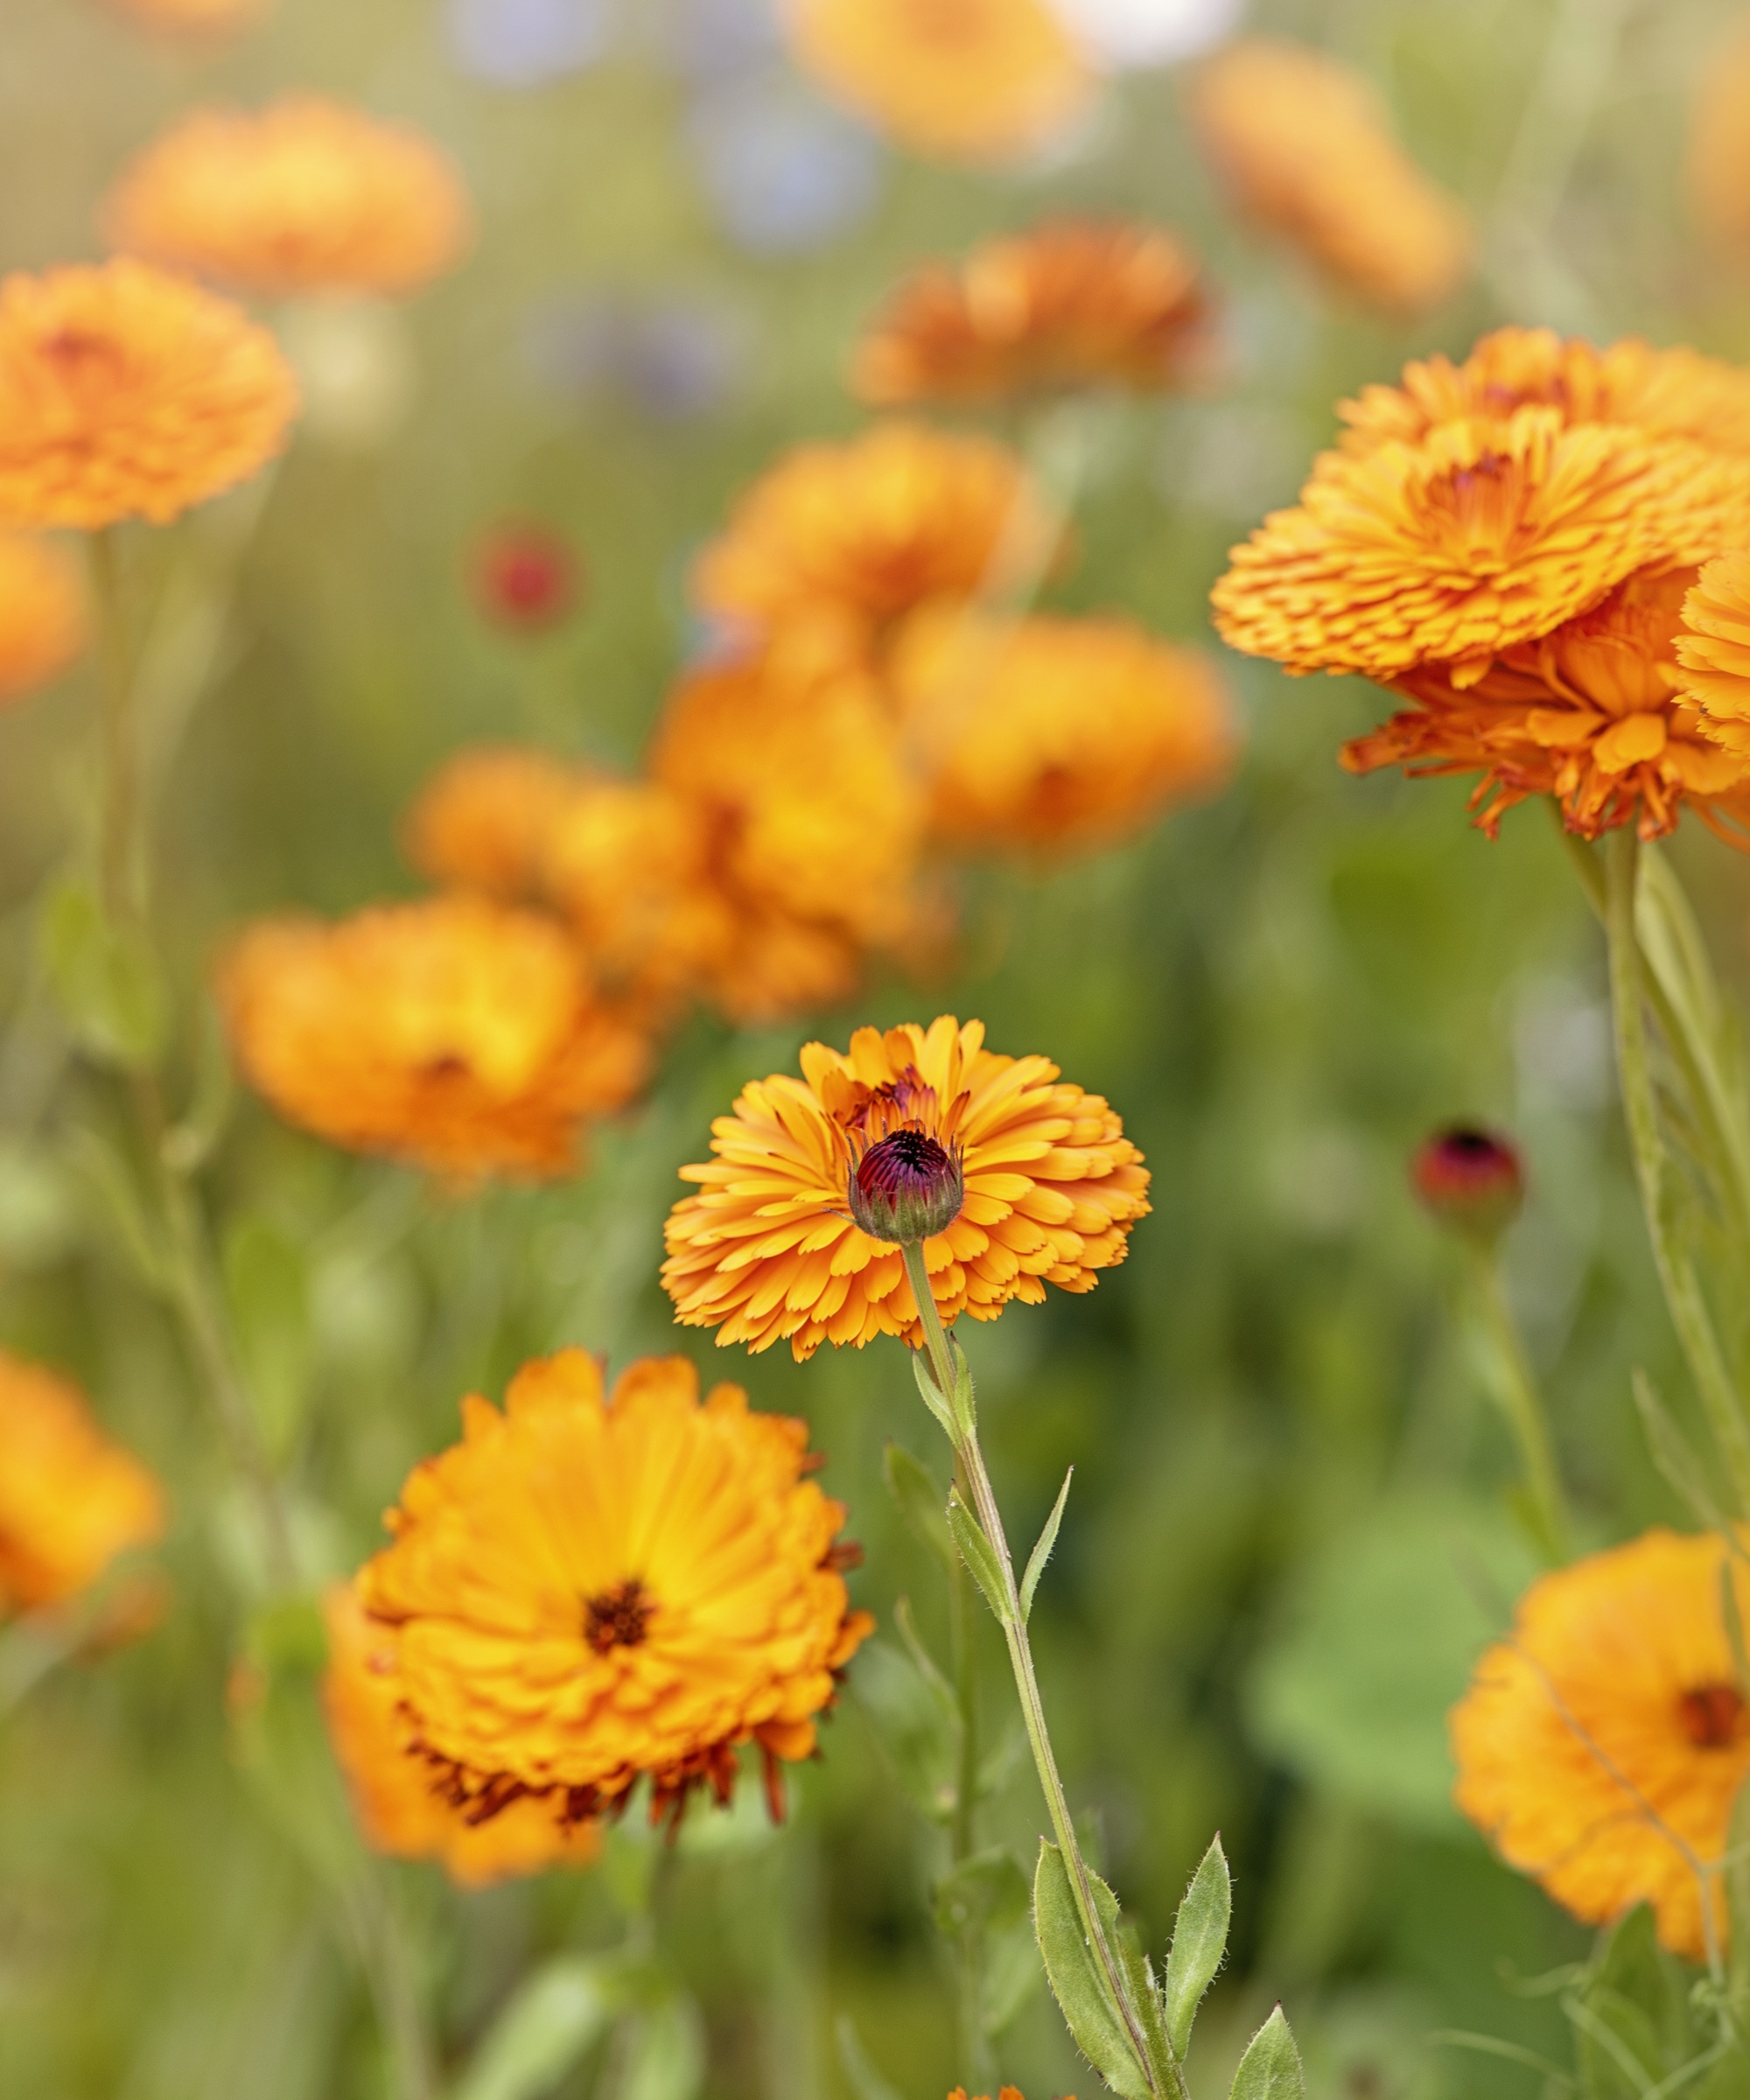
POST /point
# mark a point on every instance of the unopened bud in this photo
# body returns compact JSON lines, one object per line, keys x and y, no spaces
{"x":907,"y":1188}
{"x":526,"y":578}
{"x":1470,"y":1178}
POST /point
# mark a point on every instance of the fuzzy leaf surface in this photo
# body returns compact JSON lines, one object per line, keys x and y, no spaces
{"x":1076,"y":1982}
{"x":1271,"y":2067}
{"x":1200,"y":1939}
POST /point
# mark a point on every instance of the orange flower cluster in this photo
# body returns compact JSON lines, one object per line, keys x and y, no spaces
{"x":1308,"y":152}
{"x":307,"y":195}
{"x":42,"y":615}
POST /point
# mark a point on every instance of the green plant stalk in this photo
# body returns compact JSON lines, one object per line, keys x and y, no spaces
{"x":118,"y":772}
{"x":1515,"y":1387}
{"x":975,"y":2063}
{"x":382,"y":1955}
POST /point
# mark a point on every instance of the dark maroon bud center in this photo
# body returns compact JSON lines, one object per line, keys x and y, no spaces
{"x":906,"y":1189}
{"x":1470,"y":1178}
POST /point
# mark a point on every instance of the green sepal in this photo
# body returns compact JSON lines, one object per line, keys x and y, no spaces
{"x":1199,"y":1940}
{"x":1042,"y":1549}
{"x":920,"y":1502}
{"x":987,"y":1893}
{"x":1096,"y":2023}
{"x":1271,"y":2067}
{"x":979,"y":1555}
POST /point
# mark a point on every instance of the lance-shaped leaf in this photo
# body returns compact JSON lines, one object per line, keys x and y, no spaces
{"x":933,"y":1396}
{"x":978,"y":1554}
{"x":920,"y":1501}
{"x":1271,"y":2067}
{"x":1042,"y":1548}
{"x":558,"y":2013}
{"x":1076,"y":1982}
{"x":1200,"y":1939}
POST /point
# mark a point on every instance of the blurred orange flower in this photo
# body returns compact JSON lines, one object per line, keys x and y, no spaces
{"x":42,"y":615}
{"x":1718,"y":169}
{"x":484,"y":820}
{"x":307,"y":195}
{"x":1307,"y":150}
{"x":588,"y":1590}
{"x":1052,"y":735}
{"x":766,"y":1251}
{"x":1071,"y":303}
{"x":454,"y":1032}
{"x":1600,"y":1746}
{"x":398,"y":1795}
{"x":70,"y":1500}
{"x":196,"y":19}
{"x":958,"y":80}
{"x":125,"y":393}
{"x":1714,"y":649}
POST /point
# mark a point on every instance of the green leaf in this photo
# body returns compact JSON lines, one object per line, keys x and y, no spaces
{"x":665,"y":2060}
{"x":1632,"y":2014}
{"x":555,"y":2015}
{"x":1076,"y":1982}
{"x":1012,"y":1973}
{"x":1738,"y":1892}
{"x":979,"y":1555}
{"x":932,"y":1395}
{"x":108,"y":1178}
{"x":1674,"y":1454}
{"x":1042,"y":1546}
{"x":987,"y":1893}
{"x":1271,"y":2067}
{"x":268,"y":1282}
{"x":866,"y":2081}
{"x":916,"y":1728}
{"x":921,"y":1503}
{"x":1200,"y":1939}
{"x":103,"y":978}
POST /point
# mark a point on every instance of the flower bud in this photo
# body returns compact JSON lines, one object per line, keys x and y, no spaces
{"x":1469,"y":1178}
{"x":525,"y":578}
{"x":906,"y":1189}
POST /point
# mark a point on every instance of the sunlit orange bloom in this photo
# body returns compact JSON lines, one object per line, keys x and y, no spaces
{"x":125,"y":393}
{"x":1072,"y":303}
{"x":196,"y":19}
{"x":1600,"y":1746}
{"x":766,"y":1250}
{"x":1713,"y":648}
{"x":307,"y":195}
{"x":42,"y":615}
{"x":956,"y":80}
{"x":484,"y":820}
{"x":454,"y":1032}
{"x":70,"y":1500}
{"x":1307,"y":150}
{"x":1049,"y":735}
{"x":589,"y":1590}
{"x":398,"y":1795}
{"x":1719,"y":170}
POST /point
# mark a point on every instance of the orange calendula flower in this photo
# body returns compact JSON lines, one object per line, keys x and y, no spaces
{"x":1719,"y":168}
{"x":1600,"y":1746}
{"x":958,"y":80}
{"x":455,"y":1033}
{"x":1713,"y":650}
{"x":42,"y":615}
{"x":128,"y":394}
{"x":591,"y":1590}
{"x":767,"y":1251}
{"x":1051,"y":735}
{"x":484,"y":820}
{"x":307,"y":195}
{"x":1072,"y":303}
{"x":1307,"y":150}
{"x":398,"y":1796}
{"x":70,"y":1500}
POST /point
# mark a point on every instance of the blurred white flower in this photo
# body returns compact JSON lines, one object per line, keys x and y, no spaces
{"x":783,"y":173}
{"x":1150,"y":33}
{"x":523,"y":43}
{"x":355,"y":367}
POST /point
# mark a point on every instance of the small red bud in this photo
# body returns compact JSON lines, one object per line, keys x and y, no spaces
{"x":907,"y":1188}
{"x":1470,"y":1178}
{"x":526,"y":577}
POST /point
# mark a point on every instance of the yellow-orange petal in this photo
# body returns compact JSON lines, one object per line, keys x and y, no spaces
{"x":42,"y":615}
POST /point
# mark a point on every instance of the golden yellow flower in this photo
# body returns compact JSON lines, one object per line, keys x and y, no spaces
{"x":1050,"y":735}
{"x":958,"y":80}
{"x":398,"y":1795}
{"x":1071,"y":303}
{"x":1601,"y":1745}
{"x":70,"y":1500}
{"x":766,"y":1251}
{"x":1307,"y":150}
{"x":307,"y":195}
{"x":588,"y":1590}
{"x":196,"y":19}
{"x":454,"y":1032}
{"x":1719,"y":167}
{"x":484,"y":820}
{"x":1714,"y":649}
{"x":42,"y":615}
{"x":126,"y":393}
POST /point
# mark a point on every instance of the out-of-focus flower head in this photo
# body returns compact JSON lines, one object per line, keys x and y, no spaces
{"x":526,"y":577}
{"x":782,"y":173}
{"x":1601,"y":1746}
{"x":200,"y":21}
{"x":1713,"y":650}
{"x":702,"y":1606}
{"x":1307,"y":150}
{"x":767,"y":1250}
{"x":42,"y":615}
{"x":1469,"y":1178}
{"x":398,"y":1794}
{"x":307,"y":195}
{"x":70,"y":1500}
{"x":526,"y":43}
{"x":127,"y":393}
{"x":712,"y":39}
{"x":1150,"y":33}
{"x":673,"y":357}
{"x":456,"y":1034}
{"x":484,"y":820}
{"x":955,"y":80}
{"x":1050,"y":735}
{"x":1072,"y":303}
{"x":1718,"y":169}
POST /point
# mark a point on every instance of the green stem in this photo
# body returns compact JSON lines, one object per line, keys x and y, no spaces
{"x":383,"y":1957}
{"x":1516,"y":1386}
{"x":975,"y":2066}
{"x":118,"y":773}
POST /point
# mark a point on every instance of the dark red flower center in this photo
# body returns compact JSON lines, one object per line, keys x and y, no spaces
{"x":1711,"y":1714}
{"x":619,"y":1617}
{"x":908,"y":1163}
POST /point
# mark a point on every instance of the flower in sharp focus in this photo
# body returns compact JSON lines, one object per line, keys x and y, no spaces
{"x":1469,"y":1178}
{"x":126,"y":393}
{"x":1048,"y":735}
{"x":70,"y":1500}
{"x":454,"y":1032}
{"x":1307,"y":150}
{"x":306,"y":195}
{"x":1601,"y":1745}
{"x":1072,"y":303}
{"x":589,"y":1590}
{"x":483,"y":820}
{"x":197,"y":20}
{"x":42,"y":615}
{"x":526,"y":578}
{"x":767,"y":1250}
{"x":958,"y":80}
{"x":1714,"y":651}
{"x":397,"y":1795}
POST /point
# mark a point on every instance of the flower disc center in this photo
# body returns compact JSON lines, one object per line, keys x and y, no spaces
{"x":619,"y":1617}
{"x":1711,"y":1714}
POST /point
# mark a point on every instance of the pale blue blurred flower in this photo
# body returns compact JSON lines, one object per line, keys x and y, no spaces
{"x":525,"y":43}
{"x":709,"y":39}
{"x":674,"y":356}
{"x":783,"y":173}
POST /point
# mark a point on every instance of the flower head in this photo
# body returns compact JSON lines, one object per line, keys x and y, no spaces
{"x":1071,"y":303}
{"x":125,"y":393}
{"x":307,"y":195}
{"x":42,"y":615}
{"x":1600,"y":1747}
{"x":1713,"y":652}
{"x":455,"y":1032}
{"x":70,"y":1500}
{"x":483,"y":820}
{"x":769,"y":1248}
{"x":1470,"y":1178}
{"x":1719,"y":168}
{"x":526,"y":578}
{"x":589,"y":1590}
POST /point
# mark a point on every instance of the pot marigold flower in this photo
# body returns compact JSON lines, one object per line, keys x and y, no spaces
{"x":1713,"y":650}
{"x":1600,"y":1746}
{"x":42,"y":615}
{"x":767,"y":1250}
{"x":454,"y":1032}
{"x":70,"y":1500}
{"x":1307,"y":150}
{"x":958,"y":80}
{"x":1718,"y":161}
{"x":483,"y":822}
{"x":1071,"y":303}
{"x":590,"y":1590}
{"x":125,"y":393}
{"x":307,"y":195}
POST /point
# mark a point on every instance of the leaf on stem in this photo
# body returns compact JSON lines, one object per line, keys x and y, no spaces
{"x":1042,"y":1549}
{"x":665,"y":2057}
{"x":1271,"y":2067}
{"x":921,"y":1503}
{"x":1674,"y":1454}
{"x":979,"y":1555}
{"x":104,"y":978}
{"x":1076,"y":1981}
{"x":559,"y":2013}
{"x":1199,"y":1940}
{"x":932,"y":1393}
